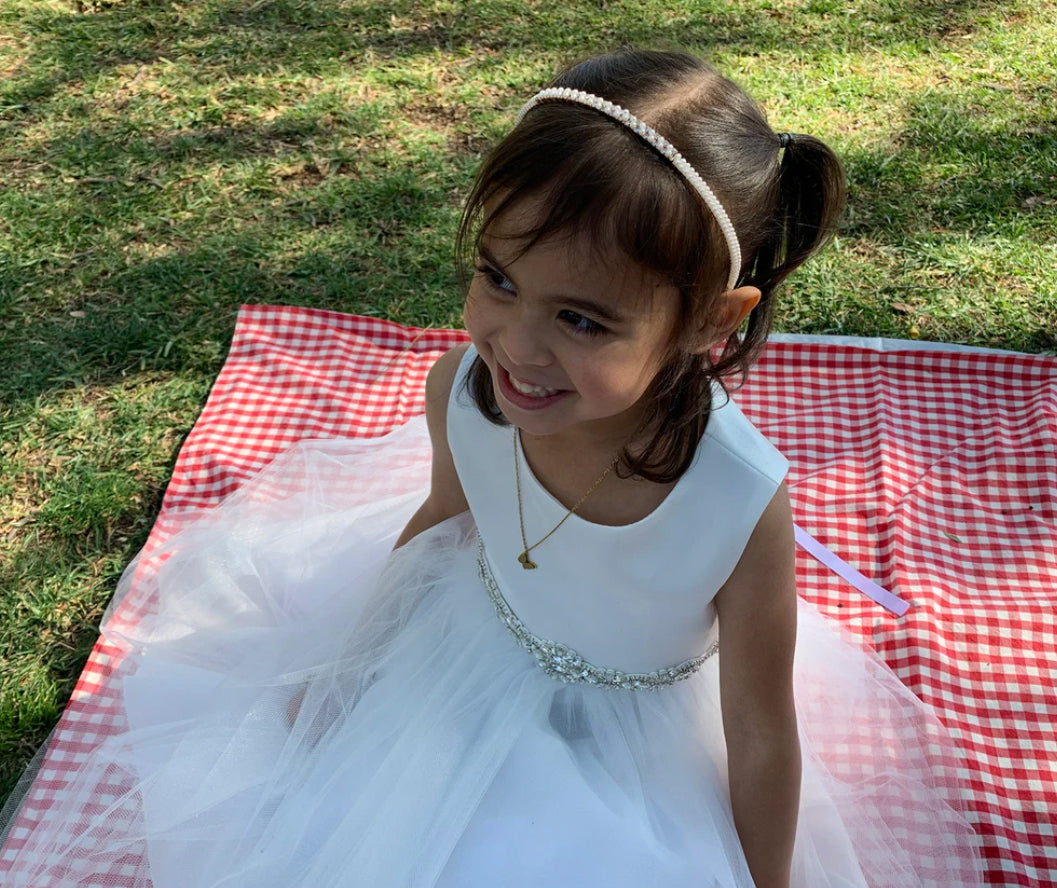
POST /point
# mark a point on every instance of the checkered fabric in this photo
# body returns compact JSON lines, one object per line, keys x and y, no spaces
{"x":932,"y":472}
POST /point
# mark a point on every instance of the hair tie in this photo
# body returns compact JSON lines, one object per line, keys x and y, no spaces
{"x":784,"y":140}
{"x":648,"y":134}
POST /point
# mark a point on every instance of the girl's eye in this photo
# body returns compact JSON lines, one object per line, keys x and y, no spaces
{"x":496,"y":279}
{"x":580,"y":324}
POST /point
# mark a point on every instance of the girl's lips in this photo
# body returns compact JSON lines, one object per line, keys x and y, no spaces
{"x":522,"y":401}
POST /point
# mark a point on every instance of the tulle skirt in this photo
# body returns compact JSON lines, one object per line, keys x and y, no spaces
{"x":306,"y":708}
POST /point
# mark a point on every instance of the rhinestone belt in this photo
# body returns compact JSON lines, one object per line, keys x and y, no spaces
{"x":564,"y":663}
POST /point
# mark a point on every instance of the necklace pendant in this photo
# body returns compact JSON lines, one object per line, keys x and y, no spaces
{"x":526,"y":562}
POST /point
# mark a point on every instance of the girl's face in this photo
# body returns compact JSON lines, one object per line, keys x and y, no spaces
{"x":573,"y":337}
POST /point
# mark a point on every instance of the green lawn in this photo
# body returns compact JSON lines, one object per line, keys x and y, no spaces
{"x":163,"y":162}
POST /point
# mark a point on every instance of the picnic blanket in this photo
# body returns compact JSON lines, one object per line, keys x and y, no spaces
{"x":933,"y":472}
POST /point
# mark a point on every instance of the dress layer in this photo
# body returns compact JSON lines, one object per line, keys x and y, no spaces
{"x":306,"y":709}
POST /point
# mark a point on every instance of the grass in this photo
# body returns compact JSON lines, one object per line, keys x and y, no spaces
{"x":163,"y":162}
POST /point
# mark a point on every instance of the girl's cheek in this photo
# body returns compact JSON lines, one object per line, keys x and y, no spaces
{"x":472,"y":322}
{"x":467,"y":310}
{"x":471,"y":305}
{"x":469,"y":319}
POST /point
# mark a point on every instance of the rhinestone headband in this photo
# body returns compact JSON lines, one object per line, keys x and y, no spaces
{"x":648,"y":134}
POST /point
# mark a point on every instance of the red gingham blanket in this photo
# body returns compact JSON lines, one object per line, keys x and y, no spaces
{"x":932,"y":472}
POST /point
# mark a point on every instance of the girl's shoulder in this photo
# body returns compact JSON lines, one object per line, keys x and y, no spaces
{"x":446,"y":497}
{"x":441,"y":377}
{"x":734,"y":452}
{"x":440,"y":382}
{"x":731,"y":439}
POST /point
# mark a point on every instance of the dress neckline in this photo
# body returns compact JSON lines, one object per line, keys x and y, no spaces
{"x":576,"y":518}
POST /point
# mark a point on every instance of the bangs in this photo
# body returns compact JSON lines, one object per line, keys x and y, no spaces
{"x":602,"y":186}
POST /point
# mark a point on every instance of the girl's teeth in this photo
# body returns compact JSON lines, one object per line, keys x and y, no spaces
{"x":535,"y":391}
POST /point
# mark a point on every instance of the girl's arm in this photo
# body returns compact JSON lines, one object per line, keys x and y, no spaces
{"x":446,"y":498}
{"x":757,"y":630}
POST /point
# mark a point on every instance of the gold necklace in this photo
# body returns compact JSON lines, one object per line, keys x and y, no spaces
{"x":526,"y":562}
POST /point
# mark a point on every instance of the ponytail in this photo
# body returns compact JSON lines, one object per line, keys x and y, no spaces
{"x":811,"y":193}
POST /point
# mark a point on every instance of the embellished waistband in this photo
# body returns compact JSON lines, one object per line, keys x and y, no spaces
{"x":564,"y":663}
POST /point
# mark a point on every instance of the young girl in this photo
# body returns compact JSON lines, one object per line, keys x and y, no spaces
{"x":577,"y":665}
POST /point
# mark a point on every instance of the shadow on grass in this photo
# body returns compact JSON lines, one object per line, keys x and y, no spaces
{"x":954,"y":166}
{"x":373,"y":246}
{"x":238,"y":38}
{"x":967,"y":192}
{"x":42,"y":659}
{"x":187,"y":327}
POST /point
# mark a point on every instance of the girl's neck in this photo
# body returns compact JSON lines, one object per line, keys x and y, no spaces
{"x":566,"y":466}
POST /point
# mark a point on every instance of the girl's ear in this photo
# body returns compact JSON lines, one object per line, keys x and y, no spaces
{"x":732,"y":308}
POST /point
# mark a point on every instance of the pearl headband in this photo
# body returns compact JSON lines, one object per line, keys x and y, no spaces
{"x":654,"y":138}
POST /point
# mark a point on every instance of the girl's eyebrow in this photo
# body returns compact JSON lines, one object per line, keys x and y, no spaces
{"x":587,"y":305}
{"x":591,"y":307}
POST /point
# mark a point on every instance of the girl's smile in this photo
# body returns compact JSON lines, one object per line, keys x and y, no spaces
{"x":524,"y":394}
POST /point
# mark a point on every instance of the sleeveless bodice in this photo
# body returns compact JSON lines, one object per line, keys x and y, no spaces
{"x":638,"y":597}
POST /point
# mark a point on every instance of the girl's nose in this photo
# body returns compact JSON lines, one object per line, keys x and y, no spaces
{"x":524,"y":344}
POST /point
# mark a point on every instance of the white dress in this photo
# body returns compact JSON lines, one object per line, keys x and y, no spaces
{"x":305,"y":709}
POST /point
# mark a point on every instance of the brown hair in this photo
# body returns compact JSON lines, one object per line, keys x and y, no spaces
{"x":600,"y":180}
